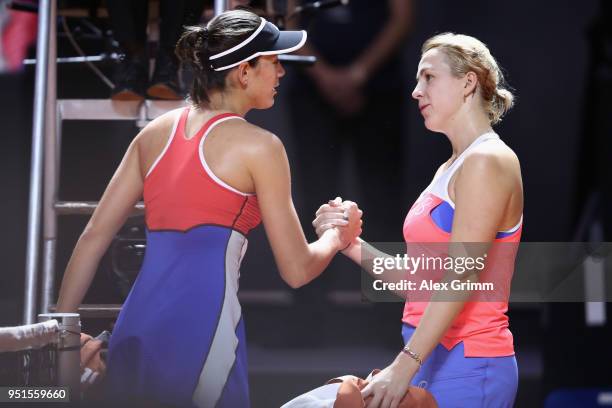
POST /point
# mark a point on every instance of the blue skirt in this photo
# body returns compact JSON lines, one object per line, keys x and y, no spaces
{"x":459,"y":381}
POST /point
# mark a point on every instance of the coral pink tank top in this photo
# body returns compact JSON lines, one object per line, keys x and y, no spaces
{"x":482,"y":325}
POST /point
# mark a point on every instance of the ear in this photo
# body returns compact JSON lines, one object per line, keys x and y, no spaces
{"x":243,"y":73}
{"x":470,"y":83}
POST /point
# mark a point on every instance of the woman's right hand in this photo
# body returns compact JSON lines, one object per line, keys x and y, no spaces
{"x":344,"y":217}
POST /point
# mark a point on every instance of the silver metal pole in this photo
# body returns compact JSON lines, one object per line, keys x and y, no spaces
{"x":51,"y":168}
{"x":38,"y":129}
{"x":220,"y":6}
{"x":68,"y":351}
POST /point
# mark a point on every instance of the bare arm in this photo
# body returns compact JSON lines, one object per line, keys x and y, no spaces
{"x":123,"y":191}
{"x":482,"y":187}
{"x":298,"y":261}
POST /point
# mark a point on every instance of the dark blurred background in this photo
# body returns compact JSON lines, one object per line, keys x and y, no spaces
{"x":558,"y":58}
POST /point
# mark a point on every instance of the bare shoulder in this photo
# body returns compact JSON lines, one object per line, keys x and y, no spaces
{"x":255,"y":133}
{"x":159,"y":129}
{"x":255,"y":141}
{"x":493,"y":166}
{"x":492,"y":159}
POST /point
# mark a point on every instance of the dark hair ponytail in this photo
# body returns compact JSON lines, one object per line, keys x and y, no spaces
{"x":198,"y":43}
{"x":192,"y":50}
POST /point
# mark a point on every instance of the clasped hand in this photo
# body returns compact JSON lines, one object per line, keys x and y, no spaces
{"x":344,"y":217}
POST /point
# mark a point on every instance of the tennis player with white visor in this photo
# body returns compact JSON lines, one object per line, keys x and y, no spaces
{"x":207,"y":177}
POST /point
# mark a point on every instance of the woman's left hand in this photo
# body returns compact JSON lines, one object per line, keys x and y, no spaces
{"x":388,"y":387}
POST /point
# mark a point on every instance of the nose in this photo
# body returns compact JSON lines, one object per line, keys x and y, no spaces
{"x":417,"y":92}
{"x":280,"y":71}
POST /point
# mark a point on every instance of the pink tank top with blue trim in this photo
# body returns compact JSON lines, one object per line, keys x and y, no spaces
{"x":482,"y":325}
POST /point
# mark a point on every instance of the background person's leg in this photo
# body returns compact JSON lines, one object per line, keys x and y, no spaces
{"x":174,"y":16}
{"x":129,"y":23}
